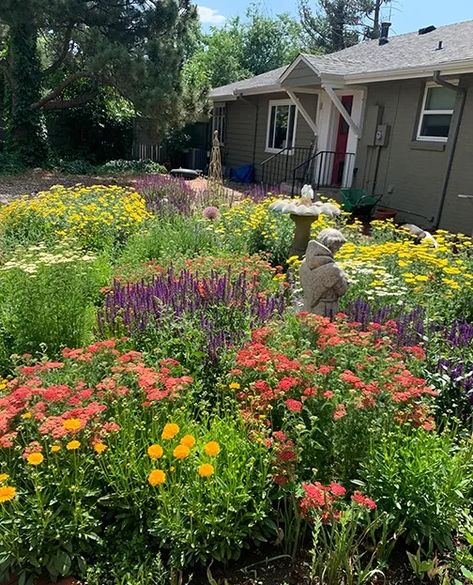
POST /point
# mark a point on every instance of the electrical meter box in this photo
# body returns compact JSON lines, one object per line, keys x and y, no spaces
{"x":382,"y":135}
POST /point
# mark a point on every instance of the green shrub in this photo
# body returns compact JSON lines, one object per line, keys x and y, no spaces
{"x":131,"y":167}
{"x":73,"y":167}
{"x":47,"y":299}
{"x":423,"y":480}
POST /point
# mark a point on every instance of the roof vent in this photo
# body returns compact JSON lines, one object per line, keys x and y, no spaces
{"x":440,"y":46}
{"x":427,"y":29}
{"x":383,"y":37}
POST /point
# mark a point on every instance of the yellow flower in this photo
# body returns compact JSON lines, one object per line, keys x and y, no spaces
{"x":188,"y":441}
{"x":234,"y":386}
{"x":156,"y":477}
{"x":7,"y":493}
{"x":170,"y":431}
{"x":72,"y":445}
{"x":205,"y":470}
{"x":35,"y":458}
{"x":212,"y":449}
{"x":72,"y":424}
{"x":155,"y":451}
{"x":181,"y":452}
{"x":3,"y":477}
{"x":100,"y":447}
{"x":26,"y":415}
{"x":55,"y":448}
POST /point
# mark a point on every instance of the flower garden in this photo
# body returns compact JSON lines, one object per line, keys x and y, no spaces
{"x":167,"y":416}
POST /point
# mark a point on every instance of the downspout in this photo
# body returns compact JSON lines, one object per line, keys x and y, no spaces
{"x":451,"y":155}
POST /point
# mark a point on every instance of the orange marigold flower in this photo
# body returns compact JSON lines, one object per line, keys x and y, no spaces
{"x":181,"y":452}
{"x":55,"y":448}
{"x":170,"y":431}
{"x":188,"y":441}
{"x":72,"y":445}
{"x":72,"y":424}
{"x":3,"y":477}
{"x":35,"y":458}
{"x":212,"y":449}
{"x":156,"y":477}
{"x":205,"y":470}
{"x":7,"y":493}
{"x":100,"y":447}
{"x":155,"y":451}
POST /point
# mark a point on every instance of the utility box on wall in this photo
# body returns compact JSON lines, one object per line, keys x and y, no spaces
{"x":382,"y":135}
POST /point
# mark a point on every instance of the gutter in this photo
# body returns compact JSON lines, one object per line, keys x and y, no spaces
{"x":451,"y":155}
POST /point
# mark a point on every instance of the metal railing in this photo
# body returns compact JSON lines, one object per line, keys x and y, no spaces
{"x":279,"y":167}
{"x":326,"y":168}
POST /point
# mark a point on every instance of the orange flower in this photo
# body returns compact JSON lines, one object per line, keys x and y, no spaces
{"x":212,"y":449}
{"x":156,"y":477}
{"x":72,"y":424}
{"x":35,"y":458}
{"x":55,"y":448}
{"x":155,"y":451}
{"x":170,"y":431}
{"x":7,"y":493}
{"x":205,"y":470}
{"x":181,"y":452}
{"x":188,"y":441}
{"x":100,"y":447}
{"x":72,"y":445}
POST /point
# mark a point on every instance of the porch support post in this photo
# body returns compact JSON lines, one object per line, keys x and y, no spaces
{"x":341,"y":108}
{"x":297,"y":102}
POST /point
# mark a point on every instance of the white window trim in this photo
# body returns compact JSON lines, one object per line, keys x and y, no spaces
{"x":268,"y":126}
{"x":423,"y":112}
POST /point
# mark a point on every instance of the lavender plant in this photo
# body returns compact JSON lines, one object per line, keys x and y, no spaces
{"x":195,"y":318}
{"x":165,"y":194}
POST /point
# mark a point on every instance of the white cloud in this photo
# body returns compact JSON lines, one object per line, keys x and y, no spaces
{"x":210,"y":16}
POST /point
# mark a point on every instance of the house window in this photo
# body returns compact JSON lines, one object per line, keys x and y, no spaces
{"x":281,"y":126}
{"x":437,"y":113}
{"x":218,"y":123}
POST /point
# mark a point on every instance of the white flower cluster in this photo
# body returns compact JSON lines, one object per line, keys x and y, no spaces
{"x":374,"y":281}
{"x":30,"y":259}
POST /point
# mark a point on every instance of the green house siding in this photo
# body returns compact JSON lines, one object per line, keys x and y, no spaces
{"x":246,"y":129}
{"x":408,"y":173}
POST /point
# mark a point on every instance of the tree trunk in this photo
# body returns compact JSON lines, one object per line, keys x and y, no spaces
{"x":376,"y":28}
{"x":26,"y":130}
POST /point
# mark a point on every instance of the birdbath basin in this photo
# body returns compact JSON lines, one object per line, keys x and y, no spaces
{"x":303,"y":213}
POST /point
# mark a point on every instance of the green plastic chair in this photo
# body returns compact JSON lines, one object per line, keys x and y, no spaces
{"x":357,"y":199}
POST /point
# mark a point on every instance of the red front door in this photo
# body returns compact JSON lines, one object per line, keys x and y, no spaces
{"x":341,"y":144}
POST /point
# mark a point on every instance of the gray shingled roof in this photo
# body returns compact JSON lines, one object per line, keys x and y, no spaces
{"x":268,"y":79}
{"x":402,"y":52}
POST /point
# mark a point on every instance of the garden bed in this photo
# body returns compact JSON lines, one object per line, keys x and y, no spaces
{"x":166,"y":416}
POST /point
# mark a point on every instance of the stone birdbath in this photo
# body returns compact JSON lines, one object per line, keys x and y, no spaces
{"x":303,"y":213}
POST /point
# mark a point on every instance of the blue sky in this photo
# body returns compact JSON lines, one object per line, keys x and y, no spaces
{"x":406,"y":15}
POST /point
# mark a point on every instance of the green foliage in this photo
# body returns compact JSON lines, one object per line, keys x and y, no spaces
{"x":337,"y":24}
{"x":47,"y":298}
{"x":84,"y":48}
{"x":423,"y":480}
{"x":339,"y":553}
{"x":130,"y":167}
{"x":243,"y":48}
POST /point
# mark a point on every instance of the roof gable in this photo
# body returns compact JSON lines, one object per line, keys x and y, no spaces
{"x":368,"y":60}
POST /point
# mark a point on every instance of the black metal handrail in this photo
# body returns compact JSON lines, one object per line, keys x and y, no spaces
{"x":330,"y":166}
{"x":279,"y":167}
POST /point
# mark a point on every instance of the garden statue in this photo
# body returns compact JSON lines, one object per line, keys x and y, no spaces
{"x":323,"y":281}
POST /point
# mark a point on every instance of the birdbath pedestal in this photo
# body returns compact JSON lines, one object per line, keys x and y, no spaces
{"x":303,"y":213}
{"x":301,"y":233}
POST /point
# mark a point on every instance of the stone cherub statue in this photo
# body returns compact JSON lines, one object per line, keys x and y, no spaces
{"x":322,"y":280}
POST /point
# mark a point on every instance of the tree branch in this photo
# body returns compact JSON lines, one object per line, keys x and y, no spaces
{"x":65,"y":51}
{"x":59,"y":89}
{"x":74,"y":103}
